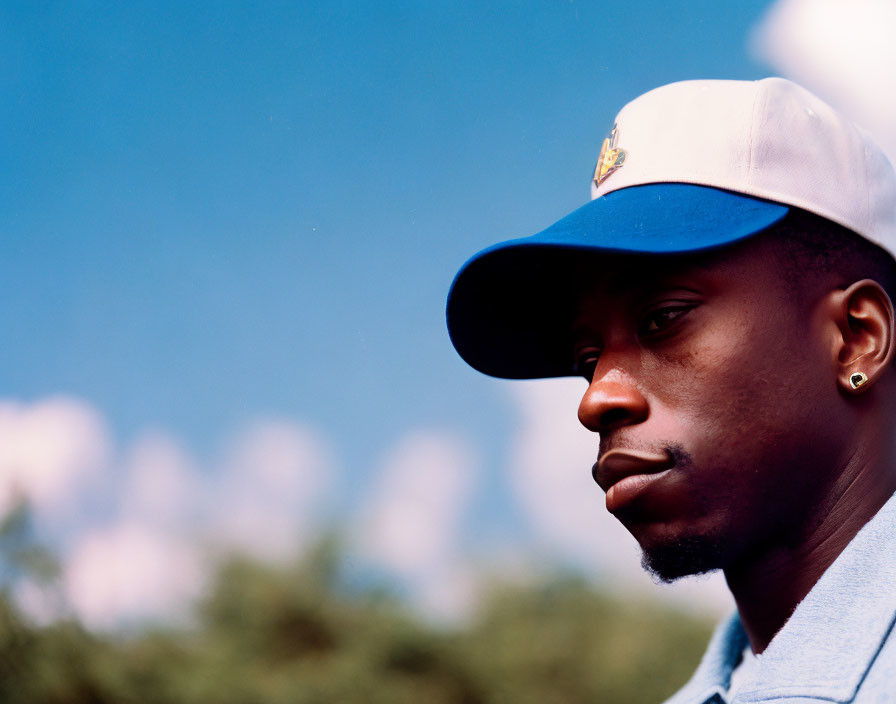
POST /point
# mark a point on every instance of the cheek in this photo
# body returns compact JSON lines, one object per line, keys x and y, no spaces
{"x":735,"y":397}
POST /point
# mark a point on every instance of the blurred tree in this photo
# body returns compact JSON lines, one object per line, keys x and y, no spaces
{"x":564,"y":641}
{"x":298,"y":635}
{"x":58,"y":663}
{"x":21,"y":555}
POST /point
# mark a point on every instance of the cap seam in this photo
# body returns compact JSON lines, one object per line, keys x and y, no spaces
{"x":756,"y":99}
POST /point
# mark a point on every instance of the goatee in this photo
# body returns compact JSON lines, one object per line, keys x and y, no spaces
{"x":683,"y":557}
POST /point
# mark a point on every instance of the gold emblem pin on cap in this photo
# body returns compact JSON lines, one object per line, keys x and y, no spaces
{"x":610,"y":159}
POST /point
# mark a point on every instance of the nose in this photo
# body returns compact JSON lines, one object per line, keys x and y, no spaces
{"x":612,"y":403}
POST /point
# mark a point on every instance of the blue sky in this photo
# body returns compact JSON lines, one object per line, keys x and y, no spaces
{"x":213,"y":213}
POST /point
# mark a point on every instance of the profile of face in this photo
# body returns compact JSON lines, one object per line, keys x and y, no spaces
{"x":714,"y":389}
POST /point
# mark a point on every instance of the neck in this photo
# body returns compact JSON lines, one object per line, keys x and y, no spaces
{"x":769,"y":585}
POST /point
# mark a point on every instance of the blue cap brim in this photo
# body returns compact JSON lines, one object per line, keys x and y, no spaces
{"x":508,"y":317}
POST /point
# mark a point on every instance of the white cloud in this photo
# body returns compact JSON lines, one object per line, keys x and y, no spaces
{"x":550,"y":472}
{"x":162,"y":483}
{"x":843,"y":50}
{"x":48,"y":451}
{"x":550,"y":469}
{"x":130,"y":573}
{"x":414,"y":519}
{"x":151,"y":562}
{"x":144,"y":560}
{"x":272,"y":488}
{"x":414,"y":516}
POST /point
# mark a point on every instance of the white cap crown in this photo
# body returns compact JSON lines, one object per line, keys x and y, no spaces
{"x":771,"y":139}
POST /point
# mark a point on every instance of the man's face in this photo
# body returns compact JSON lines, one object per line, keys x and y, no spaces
{"x":714,"y":393}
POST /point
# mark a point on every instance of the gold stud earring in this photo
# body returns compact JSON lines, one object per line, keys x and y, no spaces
{"x":858,"y":379}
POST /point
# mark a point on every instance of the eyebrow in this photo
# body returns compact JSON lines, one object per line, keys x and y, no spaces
{"x":581,"y":330}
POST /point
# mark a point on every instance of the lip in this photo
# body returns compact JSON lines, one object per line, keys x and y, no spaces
{"x":625,"y":474}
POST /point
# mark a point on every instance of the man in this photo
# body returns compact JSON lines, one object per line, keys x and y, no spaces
{"x":727,"y":294}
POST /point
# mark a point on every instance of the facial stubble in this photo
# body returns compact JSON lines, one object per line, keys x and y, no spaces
{"x":683,"y":555}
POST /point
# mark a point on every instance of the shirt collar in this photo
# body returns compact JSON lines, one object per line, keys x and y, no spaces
{"x":828,"y":644}
{"x":714,"y":672}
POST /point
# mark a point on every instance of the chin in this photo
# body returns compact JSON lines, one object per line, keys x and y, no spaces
{"x":682,"y":557}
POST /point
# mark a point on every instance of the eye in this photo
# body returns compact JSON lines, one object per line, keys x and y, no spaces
{"x":586,"y":363}
{"x":661,"y":319}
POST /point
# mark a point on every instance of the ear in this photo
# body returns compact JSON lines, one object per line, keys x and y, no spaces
{"x":864,"y":347}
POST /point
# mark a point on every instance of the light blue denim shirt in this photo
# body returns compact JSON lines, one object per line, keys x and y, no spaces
{"x":838,"y":646}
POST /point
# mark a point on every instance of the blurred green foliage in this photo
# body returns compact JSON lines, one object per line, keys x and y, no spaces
{"x":299,"y":635}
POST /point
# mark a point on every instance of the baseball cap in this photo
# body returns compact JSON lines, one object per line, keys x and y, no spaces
{"x":688,"y":166}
